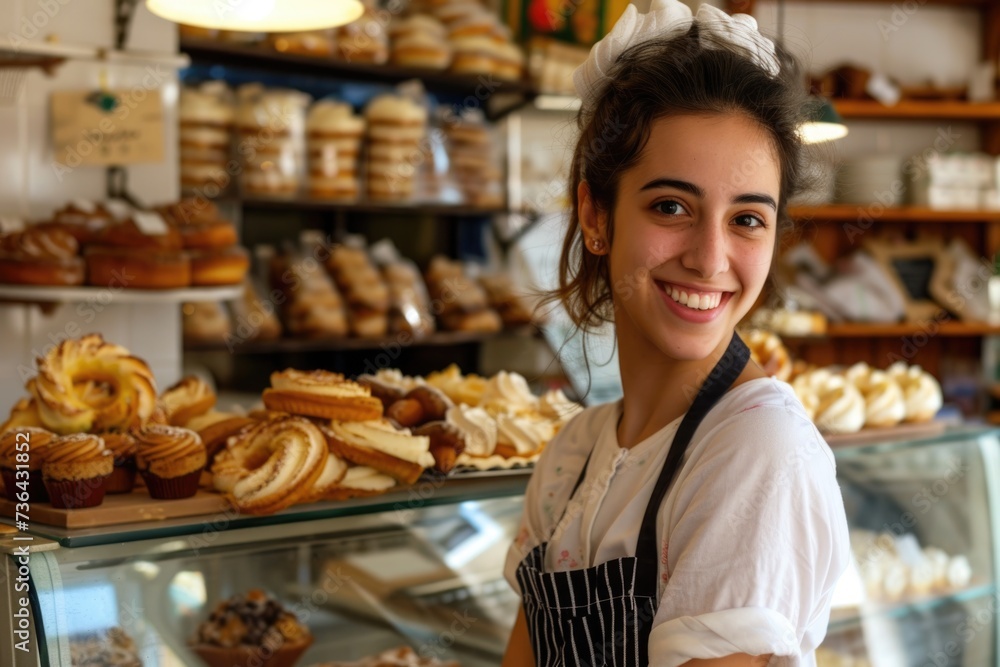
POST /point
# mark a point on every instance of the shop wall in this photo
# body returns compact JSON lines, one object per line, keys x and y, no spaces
{"x":30,"y":187}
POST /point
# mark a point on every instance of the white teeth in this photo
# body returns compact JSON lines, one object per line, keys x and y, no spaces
{"x":695,"y":301}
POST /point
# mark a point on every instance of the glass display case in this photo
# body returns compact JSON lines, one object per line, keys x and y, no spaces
{"x":423,"y":567}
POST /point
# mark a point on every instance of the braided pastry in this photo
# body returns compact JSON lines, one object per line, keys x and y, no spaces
{"x":87,"y":384}
{"x":272,"y":466}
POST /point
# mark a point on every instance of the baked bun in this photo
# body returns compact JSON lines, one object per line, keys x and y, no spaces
{"x":40,"y":256}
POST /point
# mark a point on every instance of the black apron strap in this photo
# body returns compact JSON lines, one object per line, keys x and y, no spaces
{"x":722,"y":377}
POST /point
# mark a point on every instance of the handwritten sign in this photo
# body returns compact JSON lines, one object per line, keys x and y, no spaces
{"x":110,"y":127}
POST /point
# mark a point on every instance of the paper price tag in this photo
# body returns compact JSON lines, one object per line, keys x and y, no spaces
{"x":119,"y":208}
{"x":9,"y":224}
{"x":150,"y":224}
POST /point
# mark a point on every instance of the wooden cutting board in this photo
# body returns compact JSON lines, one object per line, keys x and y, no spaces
{"x":121,"y":508}
{"x":870,"y":436}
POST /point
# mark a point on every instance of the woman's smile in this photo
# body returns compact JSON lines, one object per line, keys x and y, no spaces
{"x":693,"y":305}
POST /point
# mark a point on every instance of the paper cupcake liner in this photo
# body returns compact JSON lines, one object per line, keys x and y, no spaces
{"x":172,"y":488}
{"x":36,"y":487}
{"x":122,"y":479}
{"x":71,"y":494}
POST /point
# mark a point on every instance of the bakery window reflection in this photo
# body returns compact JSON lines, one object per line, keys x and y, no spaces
{"x":87,"y":608}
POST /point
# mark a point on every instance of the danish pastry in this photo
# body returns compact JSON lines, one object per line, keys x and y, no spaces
{"x":377,"y":444}
{"x":321,"y":394}
{"x":190,"y":397}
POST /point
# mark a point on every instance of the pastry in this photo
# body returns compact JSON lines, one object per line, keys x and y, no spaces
{"x":255,"y":318}
{"x":362,"y":287}
{"x":115,"y":649}
{"x":409,"y":303}
{"x":477,"y":427}
{"x":123,"y":448}
{"x":246,"y":627}
{"x":554,"y":405}
{"x":377,"y":444}
{"x":40,"y":256}
{"x":474,"y":55}
{"x":522,"y":436}
{"x":200,"y":234}
{"x":387,"y":393}
{"x":434,"y":403}
{"x":206,"y":125}
{"x":227,"y":266}
{"x":361,"y":481}
{"x":22,"y":451}
{"x":509,"y":303}
{"x":125,"y":268}
{"x":75,"y":470}
{"x":397,"y":127}
{"x":81,"y":219}
{"x":205,"y":322}
{"x":447,"y":443}
{"x":508,"y":393}
{"x":421,"y":50}
{"x":317,"y":43}
{"x":331,"y":475}
{"x":921,"y":391}
{"x":406,"y":412}
{"x":459,"y":388}
{"x":321,"y":394}
{"x":334,"y":135}
{"x":840,"y":407}
{"x":170,"y":460}
{"x":311,"y":305}
{"x":24,"y":413}
{"x":215,"y":434}
{"x":186,"y":399}
{"x":461,"y":303}
{"x":884,"y":404}
{"x":364,"y":40}
{"x":271,"y":128}
{"x":272,"y":465}
{"x":60,"y":390}
{"x":768,"y":352}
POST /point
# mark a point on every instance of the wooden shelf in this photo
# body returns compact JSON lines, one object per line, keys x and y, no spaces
{"x":291,"y":345}
{"x":949,"y":329}
{"x":853,"y":212}
{"x":498,"y":97}
{"x":919,"y":110}
{"x":402,"y":209}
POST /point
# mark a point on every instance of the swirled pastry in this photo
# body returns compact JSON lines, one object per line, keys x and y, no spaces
{"x":921,"y":391}
{"x":67,"y":404}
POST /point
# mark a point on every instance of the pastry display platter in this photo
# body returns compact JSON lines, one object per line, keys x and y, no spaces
{"x":121,"y":508}
{"x":109,"y":295}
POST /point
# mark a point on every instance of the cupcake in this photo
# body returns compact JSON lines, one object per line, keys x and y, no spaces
{"x":76,"y":469}
{"x":170,"y":460}
{"x":122,"y":446}
{"x":251,"y":629}
{"x":30,"y":442}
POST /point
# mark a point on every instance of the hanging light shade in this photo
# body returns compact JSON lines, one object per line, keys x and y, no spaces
{"x":823,"y":124}
{"x":259,"y":15}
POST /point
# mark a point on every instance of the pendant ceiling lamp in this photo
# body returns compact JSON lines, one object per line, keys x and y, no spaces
{"x":259,"y":15}
{"x":823,"y":124}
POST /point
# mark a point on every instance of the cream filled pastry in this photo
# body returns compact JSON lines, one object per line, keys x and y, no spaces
{"x":366,"y":479}
{"x":921,"y":391}
{"x":378,"y":445}
{"x":508,"y":393}
{"x":884,"y":404}
{"x":555,"y":406}
{"x":841,"y":407}
{"x":521,"y":436}
{"x":477,"y":427}
{"x":321,"y":394}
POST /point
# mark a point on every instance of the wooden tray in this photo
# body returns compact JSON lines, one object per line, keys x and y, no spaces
{"x":121,"y":508}
{"x":870,"y":436}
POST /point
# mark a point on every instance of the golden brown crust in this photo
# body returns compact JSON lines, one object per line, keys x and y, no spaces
{"x":383,"y":392}
{"x":446,"y":444}
{"x":24,"y":413}
{"x":215,"y":234}
{"x":222,"y":267}
{"x":433,"y":401}
{"x":214,"y":436}
{"x":186,"y":399}
{"x":128,"y":235}
{"x":350,"y":408}
{"x":137,"y":269}
{"x":406,"y":412}
{"x":403,"y":471}
{"x":505,"y":450}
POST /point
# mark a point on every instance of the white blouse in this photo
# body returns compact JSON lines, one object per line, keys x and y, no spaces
{"x":753,"y":531}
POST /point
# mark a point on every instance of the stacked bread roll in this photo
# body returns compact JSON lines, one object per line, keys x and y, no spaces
{"x":420,"y":41}
{"x":460,"y":302}
{"x":206,"y":124}
{"x":311,"y":305}
{"x":364,"y":40}
{"x":271,"y":130}
{"x":397,"y":128}
{"x":362,"y":286}
{"x":471,"y":150}
{"x":333,"y":135}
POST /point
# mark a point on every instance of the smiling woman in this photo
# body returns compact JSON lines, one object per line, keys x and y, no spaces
{"x":697,"y":520}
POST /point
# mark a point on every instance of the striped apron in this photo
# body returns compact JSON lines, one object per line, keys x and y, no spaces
{"x":602,"y":615}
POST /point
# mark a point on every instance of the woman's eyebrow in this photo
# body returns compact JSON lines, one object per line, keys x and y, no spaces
{"x":691,"y":188}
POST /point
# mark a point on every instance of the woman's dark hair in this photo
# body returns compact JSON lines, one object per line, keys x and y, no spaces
{"x":650,"y":81}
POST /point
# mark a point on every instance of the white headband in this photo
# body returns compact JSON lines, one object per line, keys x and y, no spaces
{"x":657,"y":19}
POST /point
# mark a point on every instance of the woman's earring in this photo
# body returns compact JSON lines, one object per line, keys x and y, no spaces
{"x":597,"y":245}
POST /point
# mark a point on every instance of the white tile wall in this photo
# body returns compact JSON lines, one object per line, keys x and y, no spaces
{"x":30,"y":187}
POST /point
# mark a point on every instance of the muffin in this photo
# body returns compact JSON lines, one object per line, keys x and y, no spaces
{"x":12,"y":443}
{"x":76,"y":469}
{"x":123,"y":447}
{"x":241,"y":627}
{"x":170,"y":460}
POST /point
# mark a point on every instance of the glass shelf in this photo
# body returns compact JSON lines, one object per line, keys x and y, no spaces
{"x":948,"y":436}
{"x":843,"y":620}
{"x":428,"y":492}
